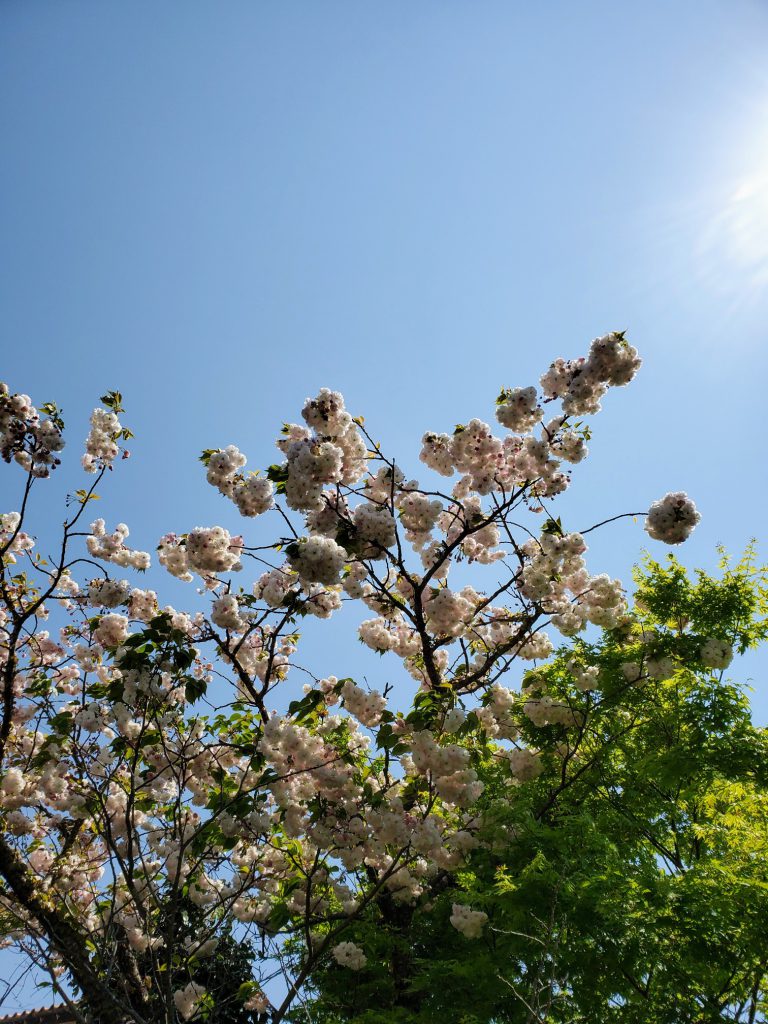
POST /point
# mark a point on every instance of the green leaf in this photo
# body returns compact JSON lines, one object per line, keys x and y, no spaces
{"x":205,"y":456}
{"x":194,"y":689}
{"x":113,"y":400}
{"x":279,"y":916}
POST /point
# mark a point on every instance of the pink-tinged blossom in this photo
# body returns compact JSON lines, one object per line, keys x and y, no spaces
{"x":517,"y":409}
{"x":673,"y":518}
{"x":111,"y":547}
{"x":716,"y":653}
{"x":101,"y":446}
{"x":317,"y":560}
{"x":467,"y":921}
{"x":347,"y":954}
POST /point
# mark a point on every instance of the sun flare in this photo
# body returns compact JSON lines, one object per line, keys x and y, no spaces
{"x":740,"y":231}
{"x":733,"y":245}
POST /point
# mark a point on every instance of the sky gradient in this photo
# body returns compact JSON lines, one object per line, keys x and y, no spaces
{"x":219,"y":208}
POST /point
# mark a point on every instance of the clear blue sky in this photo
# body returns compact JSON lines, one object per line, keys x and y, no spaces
{"x":218,"y":208}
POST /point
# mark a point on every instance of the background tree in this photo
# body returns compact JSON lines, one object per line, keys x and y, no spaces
{"x":628,"y":881}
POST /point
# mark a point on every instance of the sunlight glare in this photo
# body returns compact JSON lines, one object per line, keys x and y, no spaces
{"x":733,"y":246}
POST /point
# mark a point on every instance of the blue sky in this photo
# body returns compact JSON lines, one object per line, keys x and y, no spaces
{"x":219,"y":208}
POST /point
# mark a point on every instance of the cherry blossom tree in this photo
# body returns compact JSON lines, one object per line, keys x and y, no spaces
{"x":171,"y":854}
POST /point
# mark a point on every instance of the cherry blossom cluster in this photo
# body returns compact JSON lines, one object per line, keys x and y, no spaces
{"x":111,"y":547}
{"x":111,"y":631}
{"x":101,"y":448}
{"x":495,"y":715}
{"x":585,"y":678}
{"x":206,"y":550}
{"x":447,"y":765}
{"x":672,"y":518}
{"x":467,"y":921}
{"x":223,"y":467}
{"x":257,"y":1001}
{"x":188,"y":999}
{"x":545,"y":710}
{"x":225,"y":613}
{"x":143,"y":605}
{"x":555,"y":576}
{"x":581,"y":383}
{"x":518,"y":409}
{"x":108,"y":593}
{"x":329,"y":450}
{"x":347,"y":954}
{"x":366,"y":707}
{"x":525,"y":763}
{"x":252,"y":494}
{"x":716,"y":653}
{"x":317,"y":559}
{"x":13,"y":540}
{"x":27,"y":438}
